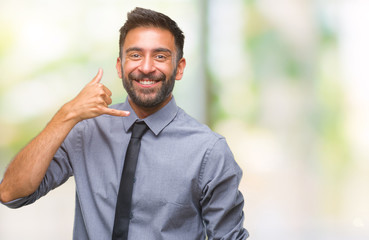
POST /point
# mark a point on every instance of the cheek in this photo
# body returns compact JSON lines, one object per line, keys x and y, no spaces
{"x":129,"y":67}
{"x":167,"y":69}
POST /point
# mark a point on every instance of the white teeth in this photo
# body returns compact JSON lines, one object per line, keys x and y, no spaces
{"x":146,"y":82}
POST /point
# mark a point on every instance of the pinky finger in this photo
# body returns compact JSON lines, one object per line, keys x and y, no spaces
{"x":114,"y":112}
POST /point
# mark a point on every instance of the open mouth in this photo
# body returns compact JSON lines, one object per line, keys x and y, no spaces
{"x":147,"y":82}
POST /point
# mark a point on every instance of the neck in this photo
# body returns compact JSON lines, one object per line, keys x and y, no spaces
{"x":144,"y":112}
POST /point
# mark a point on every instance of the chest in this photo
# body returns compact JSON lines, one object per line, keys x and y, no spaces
{"x":168,"y":176}
{"x":167,"y":171}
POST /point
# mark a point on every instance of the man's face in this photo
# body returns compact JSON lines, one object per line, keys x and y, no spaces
{"x":148,"y":66}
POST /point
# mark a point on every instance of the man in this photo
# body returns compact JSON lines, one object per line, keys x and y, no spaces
{"x":186,"y":179}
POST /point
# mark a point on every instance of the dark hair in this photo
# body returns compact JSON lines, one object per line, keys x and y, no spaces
{"x":141,"y":17}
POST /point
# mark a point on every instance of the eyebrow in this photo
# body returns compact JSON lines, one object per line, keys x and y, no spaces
{"x":132,"y":49}
{"x":162,"y":50}
{"x":156,"y":50}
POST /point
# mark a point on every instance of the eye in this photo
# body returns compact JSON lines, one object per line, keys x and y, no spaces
{"x":161,"y":57}
{"x":134,"y":56}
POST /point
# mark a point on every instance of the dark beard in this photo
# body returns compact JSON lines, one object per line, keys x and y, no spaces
{"x":162,"y":94}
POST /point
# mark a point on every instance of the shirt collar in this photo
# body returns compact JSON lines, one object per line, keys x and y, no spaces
{"x":157,"y":121}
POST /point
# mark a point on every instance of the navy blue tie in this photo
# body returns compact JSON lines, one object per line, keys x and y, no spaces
{"x":123,"y":208}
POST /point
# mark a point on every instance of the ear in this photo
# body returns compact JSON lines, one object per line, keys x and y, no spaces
{"x":118,"y":66}
{"x":180,"y":68}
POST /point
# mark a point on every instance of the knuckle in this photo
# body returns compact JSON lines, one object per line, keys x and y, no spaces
{"x":100,"y":108}
{"x":99,"y":100}
{"x":101,"y":92}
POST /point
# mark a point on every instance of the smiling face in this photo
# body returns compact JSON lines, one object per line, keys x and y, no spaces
{"x":148,"y":68}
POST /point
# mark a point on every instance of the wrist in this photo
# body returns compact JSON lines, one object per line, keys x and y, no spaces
{"x":65,"y":116}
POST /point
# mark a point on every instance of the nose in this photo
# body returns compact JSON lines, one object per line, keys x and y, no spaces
{"x":147,"y":65}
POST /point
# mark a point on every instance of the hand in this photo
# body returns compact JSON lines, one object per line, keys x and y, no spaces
{"x":93,"y":101}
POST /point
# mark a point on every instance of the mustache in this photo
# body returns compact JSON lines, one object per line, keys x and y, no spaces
{"x":150,"y":76}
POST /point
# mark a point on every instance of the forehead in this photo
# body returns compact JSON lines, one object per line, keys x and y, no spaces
{"x":149,"y":38}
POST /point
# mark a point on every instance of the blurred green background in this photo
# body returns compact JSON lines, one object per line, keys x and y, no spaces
{"x":284,"y":81}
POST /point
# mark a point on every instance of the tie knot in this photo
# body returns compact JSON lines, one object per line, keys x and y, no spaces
{"x":139,"y":128}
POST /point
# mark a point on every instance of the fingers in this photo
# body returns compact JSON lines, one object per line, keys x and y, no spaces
{"x":107,"y":91}
{"x":94,"y":100}
{"x":97,"y":80}
{"x":115,"y":112}
{"x":98,"y":77}
{"x":106,"y":96}
{"x":106,"y":99}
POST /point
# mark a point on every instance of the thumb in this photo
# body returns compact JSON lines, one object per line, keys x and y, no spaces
{"x":98,"y":77}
